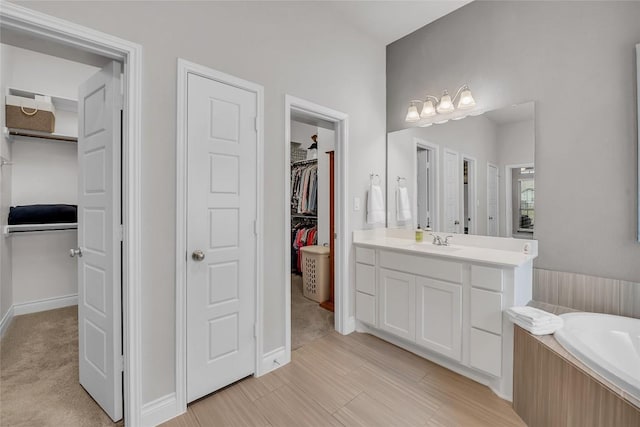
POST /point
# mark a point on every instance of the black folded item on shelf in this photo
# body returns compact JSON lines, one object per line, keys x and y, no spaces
{"x":43,"y":214}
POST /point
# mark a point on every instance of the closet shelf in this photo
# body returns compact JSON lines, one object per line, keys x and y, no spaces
{"x":304,"y":216}
{"x":10,"y":132}
{"x":59,"y":102}
{"x":304,"y":162}
{"x":26,"y":228}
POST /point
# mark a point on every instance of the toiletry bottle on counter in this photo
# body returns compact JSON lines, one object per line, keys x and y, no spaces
{"x":419,"y":234}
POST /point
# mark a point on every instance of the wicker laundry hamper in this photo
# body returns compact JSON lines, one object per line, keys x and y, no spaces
{"x":315,"y":272}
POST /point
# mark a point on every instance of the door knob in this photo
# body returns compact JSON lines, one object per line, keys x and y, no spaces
{"x":197,"y":255}
{"x":74,"y":252}
{"x":490,"y":217}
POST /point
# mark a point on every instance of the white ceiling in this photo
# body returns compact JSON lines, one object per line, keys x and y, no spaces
{"x":388,"y":21}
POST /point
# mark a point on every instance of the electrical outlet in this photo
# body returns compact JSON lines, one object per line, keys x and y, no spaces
{"x":356,"y":204}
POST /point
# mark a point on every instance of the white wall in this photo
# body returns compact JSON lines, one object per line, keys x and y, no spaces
{"x":278,"y":45}
{"x":558,"y":54}
{"x":39,"y":266}
{"x":301,"y":133}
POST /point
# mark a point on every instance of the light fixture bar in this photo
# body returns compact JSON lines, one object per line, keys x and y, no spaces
{"x":445,"y":105}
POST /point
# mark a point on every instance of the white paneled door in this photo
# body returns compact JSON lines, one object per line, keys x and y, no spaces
{"x":221,"y":239}
{"x":99,"y":243}
{"x":451,"y":191}
{"x":492,"y":200}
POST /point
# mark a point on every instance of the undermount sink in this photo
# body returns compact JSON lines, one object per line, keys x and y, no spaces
{"x":430,"y":247}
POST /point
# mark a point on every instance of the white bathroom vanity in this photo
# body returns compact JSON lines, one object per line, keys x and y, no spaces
{"x":445,"y":303}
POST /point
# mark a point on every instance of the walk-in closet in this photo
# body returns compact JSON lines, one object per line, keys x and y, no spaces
{"x":39,"y":187}
{"x":312,"y":221}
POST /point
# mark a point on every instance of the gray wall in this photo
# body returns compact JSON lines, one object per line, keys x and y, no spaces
{"x":290,"y":48}
{"x":576,"y":60}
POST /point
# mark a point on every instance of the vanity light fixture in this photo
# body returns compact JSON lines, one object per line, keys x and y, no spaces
{"x":412,"y":112}
{"x":445,"y":105}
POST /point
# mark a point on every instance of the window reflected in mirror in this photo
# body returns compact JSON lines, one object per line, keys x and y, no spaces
{"x":524,"y":200}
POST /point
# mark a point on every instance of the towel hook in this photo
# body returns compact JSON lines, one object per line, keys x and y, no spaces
{"x":399,"y":179}
{"x":373,"y":176}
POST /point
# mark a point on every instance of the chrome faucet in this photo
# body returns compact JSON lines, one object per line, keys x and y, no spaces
{"x":438,"y":241}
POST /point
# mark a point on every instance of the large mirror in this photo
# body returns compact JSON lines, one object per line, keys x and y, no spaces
{"x":475,"y":175}
{"x":638,"y":112}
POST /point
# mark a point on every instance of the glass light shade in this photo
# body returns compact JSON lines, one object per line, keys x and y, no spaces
{"x":412,"y":113}
{"x":428,"y":109}
{"x":445,"y":105}
{"x":466,"y":99}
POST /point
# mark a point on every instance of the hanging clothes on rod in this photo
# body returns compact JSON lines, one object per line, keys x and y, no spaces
{"x":304,"y":188}
{"x":303,"y":233}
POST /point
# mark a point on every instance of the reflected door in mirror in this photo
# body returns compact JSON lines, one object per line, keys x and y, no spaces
{"x":452,"y":191}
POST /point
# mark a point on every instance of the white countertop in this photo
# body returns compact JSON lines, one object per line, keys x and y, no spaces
{"x":481,"y":249}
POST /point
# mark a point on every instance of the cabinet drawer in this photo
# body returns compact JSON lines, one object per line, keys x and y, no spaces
{"x":422,"y":265}
{"x":486,"y":310}
{"x":485,"y":352}
{"x":366,"y":278}
{"x":486,"y":277}
{"x":366,"y":308}
{"x":365,"y":255}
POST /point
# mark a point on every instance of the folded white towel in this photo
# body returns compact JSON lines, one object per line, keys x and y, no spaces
{"x":403,"y":208}
{"x":533,"y":315}
{"x":536,"y":321}
{"x":375,"y":205}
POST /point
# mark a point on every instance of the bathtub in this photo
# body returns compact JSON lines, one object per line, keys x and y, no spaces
{"x":610,"y":345}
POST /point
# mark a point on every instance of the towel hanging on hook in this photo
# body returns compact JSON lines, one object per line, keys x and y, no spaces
{"x":372,"y":178}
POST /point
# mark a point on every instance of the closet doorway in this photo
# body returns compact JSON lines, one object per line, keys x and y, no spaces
{"x":73,"y":155}
{"x":316,"y":298}
{"x":469,"y":199}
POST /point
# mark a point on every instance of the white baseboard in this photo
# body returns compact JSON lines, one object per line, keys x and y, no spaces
{"x":45,"y":304}
{"x":160,"y":410}
{"x":350,"y":325}
{"x":6,"y":321}
{"x":273,"y":360}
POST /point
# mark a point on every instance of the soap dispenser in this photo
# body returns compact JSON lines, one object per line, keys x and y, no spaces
{"x":419,"y":234}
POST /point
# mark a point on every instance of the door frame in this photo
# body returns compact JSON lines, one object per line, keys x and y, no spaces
{"x":130,"y":54}
{"x":444,"y":188}
{"x":184,"y":69}
{"x":434,"y":150}
{"x":508,"y":203}
{"x":343,"y":323}
{"x":473,"y":188}
{"x":493,"y":165}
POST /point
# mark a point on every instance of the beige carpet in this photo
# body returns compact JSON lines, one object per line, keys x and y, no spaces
{"x":39,"y":374}
{"x":308,"y":320}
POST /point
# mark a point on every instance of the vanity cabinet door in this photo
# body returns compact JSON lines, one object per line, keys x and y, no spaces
{"x":397,"y":309}
{"x":439,"y":317}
